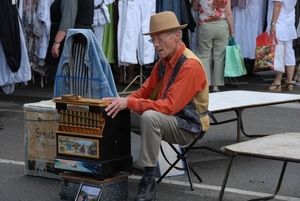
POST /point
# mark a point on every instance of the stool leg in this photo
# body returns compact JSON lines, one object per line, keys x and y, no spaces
{"x":190,"y":169}
{"x":196,"y":174}
{"x":168,"y":170}
{"x":187,"y":167}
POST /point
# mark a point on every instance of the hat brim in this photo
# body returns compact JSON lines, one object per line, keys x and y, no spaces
{"x":166,"y":30}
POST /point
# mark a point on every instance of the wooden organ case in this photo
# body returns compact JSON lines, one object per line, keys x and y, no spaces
{"x":90,"y":142}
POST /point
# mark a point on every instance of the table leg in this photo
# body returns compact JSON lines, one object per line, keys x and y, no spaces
{"x":240,"y":125}
{"x":256,"y":199}
{"x":225,"y":178}
{"x":239,"y":122}
{"x":278,"y":185}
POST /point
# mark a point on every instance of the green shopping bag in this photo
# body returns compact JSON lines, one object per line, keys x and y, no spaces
{"x":234,"y":60}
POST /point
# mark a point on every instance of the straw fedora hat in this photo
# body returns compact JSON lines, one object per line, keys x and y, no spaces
{"x":163,"y":22}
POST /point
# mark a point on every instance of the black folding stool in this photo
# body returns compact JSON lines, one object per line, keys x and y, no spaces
{"x":182,"y":156}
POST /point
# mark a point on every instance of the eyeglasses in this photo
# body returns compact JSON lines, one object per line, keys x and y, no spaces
{"x":159,"y":40}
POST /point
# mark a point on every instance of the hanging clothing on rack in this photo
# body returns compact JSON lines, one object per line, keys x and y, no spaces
{"x":28,"y":10}
{"x":249,"y":19}
{"x":42,"y":27}
{"x":239,"y":3}
{"x":8,"y":78}
{"x":187,"y":18}
{"x":109,"y":45}
{"x":101,"y":18}
{"x":169,"y":5}
{"x":134,"y":18}
{"x":10,"y":34}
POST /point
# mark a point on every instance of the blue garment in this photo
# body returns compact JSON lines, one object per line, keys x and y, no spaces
{"x":169,"y":5}
{"x":100,"y":77}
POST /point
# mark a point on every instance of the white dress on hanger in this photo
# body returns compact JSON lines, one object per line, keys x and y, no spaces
{"x":248,"y":24}
{"x":134,"y":19}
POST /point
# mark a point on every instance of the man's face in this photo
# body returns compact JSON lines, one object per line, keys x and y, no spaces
{"x":164,"y":44}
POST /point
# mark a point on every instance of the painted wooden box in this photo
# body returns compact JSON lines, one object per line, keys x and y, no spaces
{"x":90,"y":142}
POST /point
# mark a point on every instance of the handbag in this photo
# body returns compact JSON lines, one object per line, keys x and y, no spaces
{"x":269,"y":58}
{"x":234,"y":60}
{"x":263,"y":39}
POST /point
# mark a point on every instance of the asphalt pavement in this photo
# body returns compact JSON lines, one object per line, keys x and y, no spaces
{"x":249,"y":177}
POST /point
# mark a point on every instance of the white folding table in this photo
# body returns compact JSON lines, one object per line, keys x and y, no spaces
{"x":238,"y":100}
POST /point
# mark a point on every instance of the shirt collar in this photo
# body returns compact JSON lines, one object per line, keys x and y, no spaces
{"x":173,"y":61}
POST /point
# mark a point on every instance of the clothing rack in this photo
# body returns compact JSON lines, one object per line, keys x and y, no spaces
{"x":140,"y":75}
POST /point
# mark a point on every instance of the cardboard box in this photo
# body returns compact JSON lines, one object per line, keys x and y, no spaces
{"x":41,"y":122}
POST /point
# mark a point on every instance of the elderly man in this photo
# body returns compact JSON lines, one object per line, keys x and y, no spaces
{"x":171,"y":105}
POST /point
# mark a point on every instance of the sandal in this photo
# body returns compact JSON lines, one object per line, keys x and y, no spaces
{"x":287,"y":87}
{"x":271,"y":89}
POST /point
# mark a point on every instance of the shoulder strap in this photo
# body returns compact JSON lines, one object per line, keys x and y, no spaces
{"x":174,"y":74}
{"x":161,"y":72}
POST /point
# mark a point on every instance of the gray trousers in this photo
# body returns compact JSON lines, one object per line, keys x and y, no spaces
{"x":212,"y":42}
{"x":154,"y":127}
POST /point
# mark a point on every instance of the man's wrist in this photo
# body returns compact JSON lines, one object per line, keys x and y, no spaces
{"x":273,"y":23}
{"x":55,"y":42}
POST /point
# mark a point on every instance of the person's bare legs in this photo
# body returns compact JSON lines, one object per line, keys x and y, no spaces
{"x":121,"y":73}
{"x":276,"y":84}
{"x":289,"y":73}
{"x":288,"y":86}
{"x":130,"y":72}
{"x":131,"y":76}
{"x":277,"y":81}
{"x":297,"y":77}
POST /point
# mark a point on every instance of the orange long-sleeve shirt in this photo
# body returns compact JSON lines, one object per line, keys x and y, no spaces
{"x":189,"y":81}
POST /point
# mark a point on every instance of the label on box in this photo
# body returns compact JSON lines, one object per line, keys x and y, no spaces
{"x":41,"y":136}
